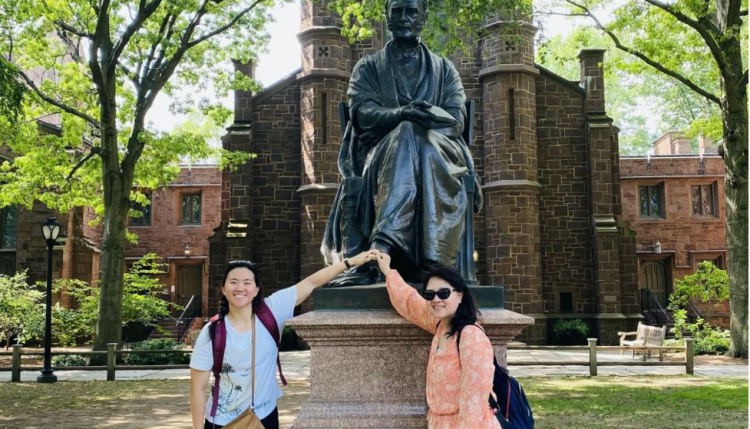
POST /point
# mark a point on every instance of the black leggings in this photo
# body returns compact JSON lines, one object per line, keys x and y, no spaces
{"x":270,"y":422}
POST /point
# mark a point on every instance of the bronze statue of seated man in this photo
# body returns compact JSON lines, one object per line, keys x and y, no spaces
{"x":402,"y":157}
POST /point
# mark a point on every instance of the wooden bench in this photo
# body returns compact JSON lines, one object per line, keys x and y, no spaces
{"x":645,"y":336}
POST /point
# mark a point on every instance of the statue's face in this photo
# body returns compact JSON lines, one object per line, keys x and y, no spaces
{"x":405,"y":18}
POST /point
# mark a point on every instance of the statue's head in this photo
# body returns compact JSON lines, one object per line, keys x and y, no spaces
{"x":405,"y":18}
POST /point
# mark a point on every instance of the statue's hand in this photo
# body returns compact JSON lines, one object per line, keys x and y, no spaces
{"x":415,"y":111}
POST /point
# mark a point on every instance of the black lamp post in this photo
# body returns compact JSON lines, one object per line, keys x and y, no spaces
{"x":50,"y":231}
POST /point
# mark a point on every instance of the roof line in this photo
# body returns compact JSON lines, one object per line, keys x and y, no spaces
{"x":275,"y":87}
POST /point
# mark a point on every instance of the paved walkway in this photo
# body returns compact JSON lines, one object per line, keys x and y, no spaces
{"x":297,"y":366}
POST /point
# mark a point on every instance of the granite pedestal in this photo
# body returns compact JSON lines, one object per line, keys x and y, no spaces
{"x":367,"y":367}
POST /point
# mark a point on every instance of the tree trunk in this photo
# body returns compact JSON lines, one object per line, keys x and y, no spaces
{"x":116,"y":192}
{"x":734,"y":117}
{"x":109,"y":320}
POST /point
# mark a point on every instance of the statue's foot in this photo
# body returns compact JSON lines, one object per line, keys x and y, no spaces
{"x":363,"y":275}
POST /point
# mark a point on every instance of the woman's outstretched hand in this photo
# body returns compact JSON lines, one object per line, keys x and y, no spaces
{"x":363,"y":258}
{"x":384,"y":262}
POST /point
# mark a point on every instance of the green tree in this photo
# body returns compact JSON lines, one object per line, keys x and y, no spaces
{"x":98,"y":66}
{"x":21,"y":309}
{"x":630,"y":87}
{"x":702,"y":45}
{"x":704,"y":289}
{"x":707,"y":286}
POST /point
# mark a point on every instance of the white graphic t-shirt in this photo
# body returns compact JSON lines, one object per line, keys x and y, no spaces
{"x":235,"y":394}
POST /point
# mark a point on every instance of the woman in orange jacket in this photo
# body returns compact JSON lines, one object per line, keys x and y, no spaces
{"x":458,"y":382}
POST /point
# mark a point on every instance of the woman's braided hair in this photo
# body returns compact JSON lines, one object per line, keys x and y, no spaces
{"x":224,"y":304}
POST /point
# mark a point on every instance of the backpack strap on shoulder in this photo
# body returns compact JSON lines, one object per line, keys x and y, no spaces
{"x":218,"y":345}
{"x":269,"y":321}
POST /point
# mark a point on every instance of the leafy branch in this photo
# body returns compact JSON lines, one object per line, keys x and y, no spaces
{"x":645,"y":58}
{"x":73,"y":111}
{"x":92,"y":152}
{"x":704,"y":26}
{"x":226,"y":26}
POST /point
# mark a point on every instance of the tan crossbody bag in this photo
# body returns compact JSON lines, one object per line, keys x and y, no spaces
{"x":248,"y":419}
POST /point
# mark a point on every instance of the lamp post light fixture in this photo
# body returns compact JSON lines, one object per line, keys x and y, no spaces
{"x":657,"y":247}
{"x":187,"y":251}
{"x":50,"y":231}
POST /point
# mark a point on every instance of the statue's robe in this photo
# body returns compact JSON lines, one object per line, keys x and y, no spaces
{"x":404,"y":182}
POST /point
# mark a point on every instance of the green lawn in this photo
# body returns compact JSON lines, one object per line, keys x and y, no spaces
{"x":638,"y":402}
{"x":560,"y":402}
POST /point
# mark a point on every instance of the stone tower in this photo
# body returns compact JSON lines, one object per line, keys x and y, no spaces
{"x":511,"y":186}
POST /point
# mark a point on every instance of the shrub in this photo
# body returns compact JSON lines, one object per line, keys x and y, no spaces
{"x":570,"y":331}
{"x":711,"y":341}
{"x":21,"y":309}
{"x":157,"y":358}
{"x":69,"y":360}
{"x":708,"y":340}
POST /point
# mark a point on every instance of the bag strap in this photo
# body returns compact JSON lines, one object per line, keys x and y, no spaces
{"x":252,"y":367}
{"x":218,"y":345}
{"x":269,"y":321}
{"x":493,"y":403}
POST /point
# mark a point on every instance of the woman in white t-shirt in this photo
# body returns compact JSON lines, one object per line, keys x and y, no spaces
{"x":241,"y":293}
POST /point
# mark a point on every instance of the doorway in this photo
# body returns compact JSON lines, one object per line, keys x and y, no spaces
{"x":189,"y":284}
{"x":653,"y":276}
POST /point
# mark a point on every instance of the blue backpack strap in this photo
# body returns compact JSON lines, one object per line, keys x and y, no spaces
{"x":218,"y":345}
{"x":493,"y":403}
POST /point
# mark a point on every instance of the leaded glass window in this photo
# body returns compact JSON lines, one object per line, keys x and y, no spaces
{"x":190,"y":209}
{"x":703,"y":200}
{"x":145,"y":209}
{"x":650,"y":201}
{"x":8,"y":227}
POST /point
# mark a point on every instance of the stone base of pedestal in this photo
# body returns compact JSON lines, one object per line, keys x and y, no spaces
{"x":367,"y":368}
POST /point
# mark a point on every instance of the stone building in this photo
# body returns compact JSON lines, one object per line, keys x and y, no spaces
{"x":551,"y":231}
{"x":675,"y":204}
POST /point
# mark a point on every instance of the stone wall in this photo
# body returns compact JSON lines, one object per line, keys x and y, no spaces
{"x":563,"y":198}
{"x":274,"y":231}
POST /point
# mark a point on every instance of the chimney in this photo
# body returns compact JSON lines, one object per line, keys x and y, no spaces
{"x":243,"y":100}
{"x":592,"y":78}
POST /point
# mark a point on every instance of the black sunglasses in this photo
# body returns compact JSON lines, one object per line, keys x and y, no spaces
{"x":443,"y":293}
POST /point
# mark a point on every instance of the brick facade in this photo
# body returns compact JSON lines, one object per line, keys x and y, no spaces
{"x":684,"y":238}
{"x":78,"y":250}
{"x":544,"y":147}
